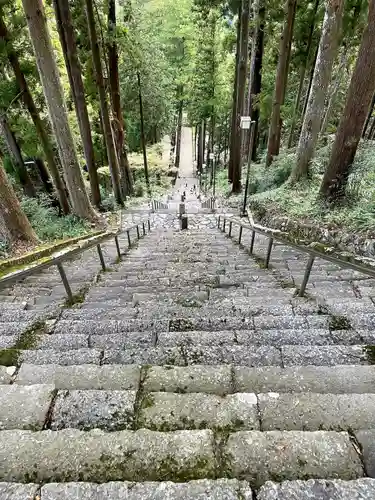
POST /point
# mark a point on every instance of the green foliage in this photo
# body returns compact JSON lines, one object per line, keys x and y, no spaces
{"x":46,"y":222}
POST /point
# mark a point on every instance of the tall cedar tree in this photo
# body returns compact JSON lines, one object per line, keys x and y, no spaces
{"x":360,"y":94}
{"x":73,"y":67}
{"x":13,"y":222}
{"x":319,"y":88}
{"x":108,"y":135}
{"x":118,"y":119}
{"x":53,"y":92}
{"x":15,"y":152}
{"x":241,"y":90}
{"x":35,"y":116}
{"x":233,"y":128}
{"x":303,"y":73}
{"x":274,"y":134}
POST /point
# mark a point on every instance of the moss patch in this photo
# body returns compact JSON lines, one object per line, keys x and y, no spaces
{"x":339,"y":323}
{"x":27,"y":340}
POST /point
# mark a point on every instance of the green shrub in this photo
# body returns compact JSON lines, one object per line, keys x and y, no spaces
{"x":46,"y":222}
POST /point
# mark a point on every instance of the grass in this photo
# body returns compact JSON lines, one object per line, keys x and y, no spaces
{"x":270,"y":193}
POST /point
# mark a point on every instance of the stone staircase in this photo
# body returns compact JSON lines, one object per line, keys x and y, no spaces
{"x":187,"y":372}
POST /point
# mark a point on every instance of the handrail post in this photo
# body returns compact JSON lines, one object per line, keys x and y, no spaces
{"x":225,"y":221}
{"x":144,"y":229}
{"x":269,"y":249}
{"x":149,"y":225}
{"x":252,"y":242}
{"x":240,"y":235}
{"x":218,"y":222}
{"x":65,"y":281}
{"x":137,"y":232}
{"x":230,"y":229}
{"x":129,"y":241}
{"x":101,"y":258}
{"x":118,"y":247}
{"x":306,"y":275}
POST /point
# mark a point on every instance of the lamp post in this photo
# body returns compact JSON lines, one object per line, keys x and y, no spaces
{"x":251,"y":126}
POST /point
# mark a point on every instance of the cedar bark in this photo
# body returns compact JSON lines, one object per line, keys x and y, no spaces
{"x":319,"y":89}
{"x":16,"y":225}
{"x":241,"y":90}
{"x":127,"y":183}
{"x":50,"y":79}
{"x":274,"y":134}
{"x":143,"y":137}
{"x":369,"y":115}
{"x":108,"y":135}
{"x":69,"y":46}
{"x":360,"y":94}
{"x":233,"y":129}
{"x":34,"y":113}
{"x":302,"y":76}
{"x":15,"y":152}
{"x":179,"y":125}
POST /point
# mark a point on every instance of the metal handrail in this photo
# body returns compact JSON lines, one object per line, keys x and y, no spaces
{"x":209,"y":203}
{"x":58,"y":259}
{"x":156,"y":204}
{"x":276,"y":235}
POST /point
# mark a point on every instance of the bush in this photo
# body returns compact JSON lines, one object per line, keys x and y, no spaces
{"x":46,"y":222}
{"x":139,"y":190}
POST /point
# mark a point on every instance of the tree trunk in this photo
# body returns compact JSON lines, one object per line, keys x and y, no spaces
{"x":127,"y":182}
{"x":257,"y":80}
{"x":233,"y":129}
{"x":30,"y":105}
{"x":50,"y":79}
{"x":319,"y":89}
{"x":108,"y":135}
{"x":179,"y":125}
{"x":143,"y":137}
{"x":200,"y":148}
{"x":17,"y":226}
{"x":360,"y":94}
{"x":332,"y":92}
{"x":302,"y":76}
{"x":241,"y":79}
{"x":15,"y":152}
{"x":369,"y":116}
{"x":371,"y":134}
{"x":68,"y":43}
{"x":274,"y":134}
{"x":249,"y":105}
{"x":306,"y":100}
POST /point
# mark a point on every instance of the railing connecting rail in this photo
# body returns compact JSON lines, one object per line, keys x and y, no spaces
{"x":58,"y":259}
{"x":158,"y":205}
{"x":273,"y":235}
{"x":209,"y":203}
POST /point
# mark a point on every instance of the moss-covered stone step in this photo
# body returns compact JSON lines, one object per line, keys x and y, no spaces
{"x":73,"y":455}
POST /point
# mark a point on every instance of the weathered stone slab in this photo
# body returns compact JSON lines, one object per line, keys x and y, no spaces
{"x":311,"y":412}
{"x":318,"y":489}
{"x":211,"y":324}
{"x":63,"y":341}
{"x":262,"y":456}
{"x":193,"y":338}
{"x":91,"y":409}
{"x":73,"y":455}
{"x":24,"y":407}
{"x":366,"y":439}
{"x":321,"y":379}
{"x":86,"y":327}
{"x":165,"y":411}
{"x":193,"y":378}
{"x":107,"y":377}
{"x":204,"y":489}
{"x":279,"y":338}
{"x":122,"y":340}
{"x":324,"y":355}
{"x":15,"y":491}
{"x":8,"y":341}
{"x":145,"y":356}
{"x":140,"y":325}
{"x":6,"y":373}
{"x":281,"y":322}
{"x":233,"y":354}
{"x":81,"y":356}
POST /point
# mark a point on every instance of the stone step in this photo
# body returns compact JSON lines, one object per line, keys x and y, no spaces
{"x":251,"y":356}
{"x":205,"y":489}
{"x":214,"y":379}
{"x":145,"y":455}
{"x":318,"y":489}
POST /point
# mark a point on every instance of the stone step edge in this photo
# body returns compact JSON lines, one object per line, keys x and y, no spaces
{"x":46,"y":456}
